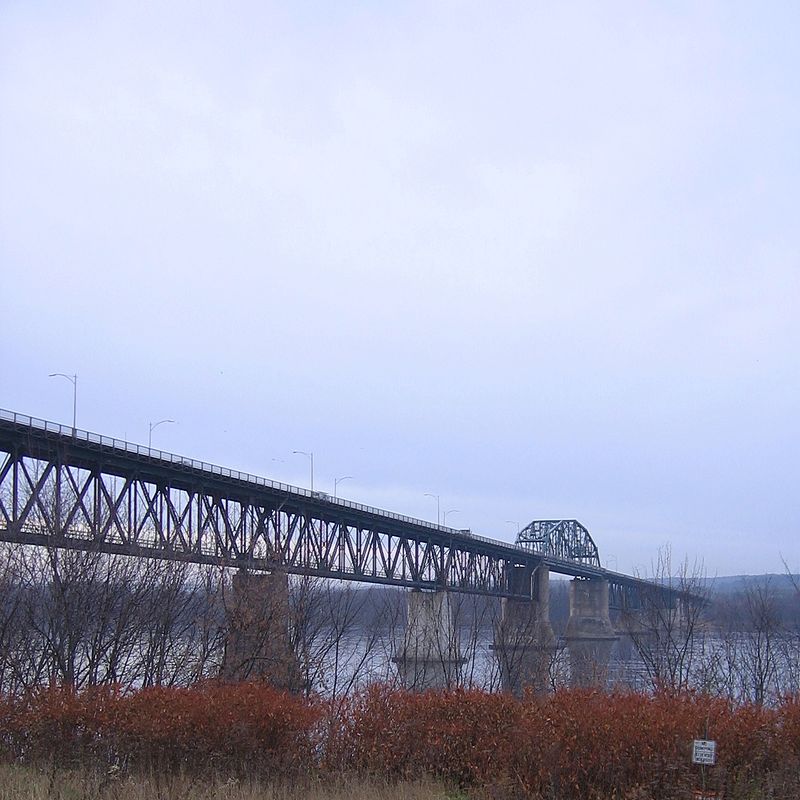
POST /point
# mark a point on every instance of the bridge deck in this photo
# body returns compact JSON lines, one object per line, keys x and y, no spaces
{"x":70,"y":488}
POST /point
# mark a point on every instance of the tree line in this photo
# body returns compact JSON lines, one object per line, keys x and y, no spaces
{"x":89,"y":619}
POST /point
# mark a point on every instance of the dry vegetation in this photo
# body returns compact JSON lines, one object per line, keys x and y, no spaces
{"x":109,"y":687}
{"x":27,"y":783}
{"x":249,"y":740}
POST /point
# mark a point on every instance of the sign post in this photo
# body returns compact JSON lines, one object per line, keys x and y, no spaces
{"x":704,"y":753}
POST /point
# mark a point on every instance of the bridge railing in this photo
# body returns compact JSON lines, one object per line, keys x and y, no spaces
{"x":161,"y":455}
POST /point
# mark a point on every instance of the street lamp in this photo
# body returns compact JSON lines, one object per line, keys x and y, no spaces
{"x":435,"y":497}
{"x":153,"y":426}
{"x":451,"y":511}
{"x":337,"y":481}
{"x":73,"y":379}
{"x":514,"y":523}
{"x":310,"y":456}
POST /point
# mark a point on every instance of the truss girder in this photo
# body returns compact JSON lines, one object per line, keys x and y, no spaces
{"x":89,"y":506}
{"x":72,"y":489}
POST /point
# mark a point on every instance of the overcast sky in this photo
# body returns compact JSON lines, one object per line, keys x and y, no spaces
{"x":539,"y":259}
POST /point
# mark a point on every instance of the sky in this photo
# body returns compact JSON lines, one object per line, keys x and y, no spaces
{"x":541,"y":260}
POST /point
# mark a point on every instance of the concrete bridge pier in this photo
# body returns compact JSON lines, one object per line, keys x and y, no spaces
{"x":590,"y":634}
{"x":524,"y":643}
{"x":257,"y":646}
{"x":429,"y":656}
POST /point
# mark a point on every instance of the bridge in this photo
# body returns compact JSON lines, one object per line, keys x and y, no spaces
{"x":68,"y":488}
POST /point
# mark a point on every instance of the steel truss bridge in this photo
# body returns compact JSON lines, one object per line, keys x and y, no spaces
{"x":68,"y":488}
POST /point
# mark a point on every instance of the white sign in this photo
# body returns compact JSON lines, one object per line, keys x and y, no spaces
{"x":704,"y":751}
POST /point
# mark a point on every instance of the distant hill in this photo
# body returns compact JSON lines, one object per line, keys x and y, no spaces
{"x":779,"y":582}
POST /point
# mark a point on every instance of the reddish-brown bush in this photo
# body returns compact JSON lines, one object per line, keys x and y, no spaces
{"x":248,"y":727}
{"x":242,"y":728}
{"x":461,"y":736}
{"x":60,"y":724}
{"x":572,"y":744}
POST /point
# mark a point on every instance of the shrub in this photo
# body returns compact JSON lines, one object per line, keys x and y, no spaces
{"x":235,"y":728}
{"x":572,"y":744}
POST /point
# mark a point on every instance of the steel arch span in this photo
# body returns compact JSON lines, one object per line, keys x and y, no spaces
{"x":560,"y":538}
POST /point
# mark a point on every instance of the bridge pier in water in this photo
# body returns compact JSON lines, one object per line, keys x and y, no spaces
{"x":429,"y":656}
{"x":590,"y":634}
{"x":257,"y":646}
{"x":524,"y":643}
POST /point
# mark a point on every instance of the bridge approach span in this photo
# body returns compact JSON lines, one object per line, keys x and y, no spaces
{"x":68,"y":488}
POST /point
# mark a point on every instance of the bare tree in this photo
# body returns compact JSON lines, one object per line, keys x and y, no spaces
{"x":12,"y":633}
{"x":336,"y":633}
{"x":665,"y":629}
{"x":209,"y":624}
{"x":757,"y":644}
{"x":474,"y":619}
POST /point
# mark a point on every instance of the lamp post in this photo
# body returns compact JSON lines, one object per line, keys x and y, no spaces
{"x":73,"y":379}
{"x":309,"y":456}
{"x":451,"y":511}
{"x":337,"y":481}
{"x":435,"y":497}
{"x":153,"y":426}
{"x":515,"y":524}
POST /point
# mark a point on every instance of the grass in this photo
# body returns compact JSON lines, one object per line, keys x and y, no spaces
{"x":29,"y":783}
